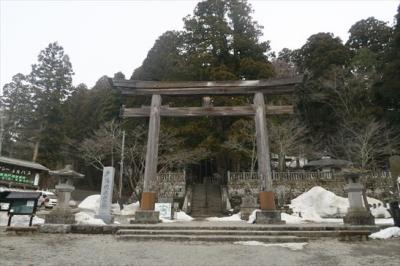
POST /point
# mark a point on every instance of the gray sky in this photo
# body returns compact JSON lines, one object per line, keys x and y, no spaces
{"x":104,"y":37}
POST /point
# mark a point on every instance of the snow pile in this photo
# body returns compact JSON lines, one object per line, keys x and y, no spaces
{"x":291,"y":246}
{"x":91,"y":204}
{"x":319,"y":202}
{"x":386,"y":233}
{"x":233,"y":218}
{"x":19,"y":220}
{"x":86,"y":218}
{"x":182,"y":216}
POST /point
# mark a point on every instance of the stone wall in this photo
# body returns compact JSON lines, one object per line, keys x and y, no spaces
{"x":286,"y":189}
{"x":168,"y":186}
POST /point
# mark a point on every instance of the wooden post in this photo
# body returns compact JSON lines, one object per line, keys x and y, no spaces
{"x":264,"y":162}
{"x":150,"y":171}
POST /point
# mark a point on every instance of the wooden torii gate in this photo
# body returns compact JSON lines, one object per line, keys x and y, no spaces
{"x":206,"y":88}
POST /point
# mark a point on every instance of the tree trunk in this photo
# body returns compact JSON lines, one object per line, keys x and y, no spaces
{"x":36,"y":151}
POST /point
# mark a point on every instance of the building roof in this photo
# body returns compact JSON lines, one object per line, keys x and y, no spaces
{"x":23,"y":195}
{"x":22,"y":163}
{"x":328,"y":162}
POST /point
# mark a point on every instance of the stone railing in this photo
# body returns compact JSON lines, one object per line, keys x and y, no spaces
{"x":300,"y":175}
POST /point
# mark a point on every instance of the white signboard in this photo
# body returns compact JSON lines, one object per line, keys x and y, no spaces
{"x":106,"y":194}
{"x":164,"y":209}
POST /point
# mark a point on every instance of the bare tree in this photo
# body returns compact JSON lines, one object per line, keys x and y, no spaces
{"x":286,"y":138}
{"x":366,"y":142}
{"x":101,"y":149}
{"x":104,"y":147}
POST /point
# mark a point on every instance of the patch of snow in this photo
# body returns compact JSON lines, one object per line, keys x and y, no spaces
{"x":252,"y":217}
{"x":182,"y":216}
{"x":86,"y":218}
{"x":380,"y":211}
{"x":386,"y":233}
{"x":291,"y":246}
{"x":292,"y":219}
{"x":165,"y":220}
{"x":384,"y":221}
{"x":130,"y":209}
{"x":19,"y":220}
{"x":233,"y":218}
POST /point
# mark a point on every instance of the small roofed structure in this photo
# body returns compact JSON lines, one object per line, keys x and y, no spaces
{"x":326,"y":163}
{"x":20,"y":173}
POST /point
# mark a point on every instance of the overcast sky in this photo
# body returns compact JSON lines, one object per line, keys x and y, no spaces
{"x":104,"y":37}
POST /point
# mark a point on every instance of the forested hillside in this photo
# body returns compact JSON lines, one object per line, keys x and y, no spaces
{"x":348,"y":105}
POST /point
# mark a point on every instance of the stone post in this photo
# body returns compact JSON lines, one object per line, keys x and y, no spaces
{"x":357,"y":213}
{"x":107,"y":185}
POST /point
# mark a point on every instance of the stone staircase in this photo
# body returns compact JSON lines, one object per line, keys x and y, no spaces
{"x":267,"y":234}
{"x":206,"y":200}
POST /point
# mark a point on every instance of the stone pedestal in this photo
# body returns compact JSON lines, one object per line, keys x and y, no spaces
{"x":60,"y":216}
{"x":146,"y":217}
{"x":146,"y":214}
{"x":357,"y":213}
{"x":269,"y":217}
{"x":268,"y":213}
{"x":62,"y":213}
{"x":360,"y":216}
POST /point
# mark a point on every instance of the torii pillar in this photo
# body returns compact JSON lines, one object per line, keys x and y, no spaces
{"x":147,"y":214}
{"x":268,"y":213}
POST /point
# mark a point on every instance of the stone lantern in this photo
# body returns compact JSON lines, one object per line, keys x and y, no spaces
{"x":357,"y":213}
{"x":62,"y":213}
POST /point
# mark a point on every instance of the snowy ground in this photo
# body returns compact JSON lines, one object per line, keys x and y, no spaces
{"x":313,"y":206}
{"x":75,"y":249}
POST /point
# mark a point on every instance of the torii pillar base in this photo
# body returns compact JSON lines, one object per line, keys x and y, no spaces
{"x":147,"y":214}
{"x":268,"y":213}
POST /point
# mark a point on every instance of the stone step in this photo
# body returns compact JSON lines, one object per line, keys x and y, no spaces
{"x":214,"y":238}
{"x":308,"y":234}
{"x":250,"y":227}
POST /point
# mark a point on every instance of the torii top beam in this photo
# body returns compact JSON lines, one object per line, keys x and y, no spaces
{"x":236,"y":87}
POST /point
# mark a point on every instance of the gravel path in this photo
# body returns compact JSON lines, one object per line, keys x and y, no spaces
{"x":74,"y":249}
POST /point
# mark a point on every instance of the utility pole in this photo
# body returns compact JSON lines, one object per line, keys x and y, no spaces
{"x":121,"y":167}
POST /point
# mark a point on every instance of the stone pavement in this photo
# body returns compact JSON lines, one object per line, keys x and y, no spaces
{"x":76,"y":249}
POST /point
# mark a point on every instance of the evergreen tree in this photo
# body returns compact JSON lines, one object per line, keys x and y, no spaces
{"x":387,"y":89}
{"x":322,"y":59}
{"x":51,"y":80}
{"x":220,"y":41}
{"x":18,"y":108}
